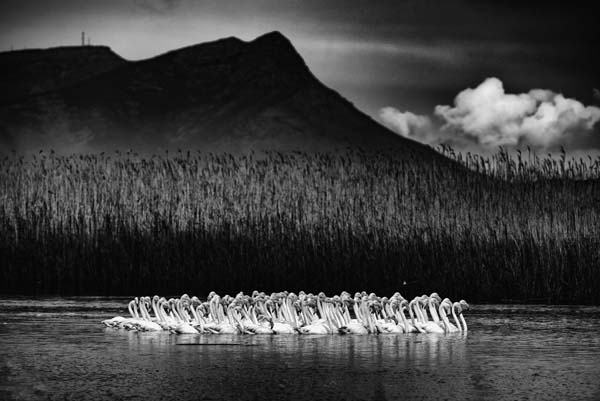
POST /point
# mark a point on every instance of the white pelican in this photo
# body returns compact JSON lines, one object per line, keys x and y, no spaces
{"x":415,"y":315}
{"x":457,"y":308}
{"x":445,"y":307}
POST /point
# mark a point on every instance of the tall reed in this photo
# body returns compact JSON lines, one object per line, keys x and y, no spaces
{"x":124,"y":223}
{"x":520,"y":166}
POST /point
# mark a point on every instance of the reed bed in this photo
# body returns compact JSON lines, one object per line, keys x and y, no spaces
{"x":527,"y":166}
{"x":123,"y":223}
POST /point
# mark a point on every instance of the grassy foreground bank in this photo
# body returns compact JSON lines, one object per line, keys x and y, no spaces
{"x":122,"y":224}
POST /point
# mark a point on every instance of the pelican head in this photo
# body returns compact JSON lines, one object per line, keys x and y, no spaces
{"x":446,"y":303}
{"x":435,"y":296}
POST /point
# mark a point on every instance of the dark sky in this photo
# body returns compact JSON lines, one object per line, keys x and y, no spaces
{"x":407,"y":55}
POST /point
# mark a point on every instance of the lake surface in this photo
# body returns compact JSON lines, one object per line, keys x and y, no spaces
{"x":57,"y":349}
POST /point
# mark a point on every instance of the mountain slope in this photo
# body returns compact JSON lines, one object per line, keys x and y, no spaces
{"x":226,"y":95}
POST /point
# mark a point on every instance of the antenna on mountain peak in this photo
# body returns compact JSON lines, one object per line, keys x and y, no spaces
{"x":82,"y":38}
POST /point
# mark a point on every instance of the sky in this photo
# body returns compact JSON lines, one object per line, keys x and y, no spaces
{"x":474,"y":74}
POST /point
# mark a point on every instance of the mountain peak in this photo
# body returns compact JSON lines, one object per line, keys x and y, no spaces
{"x":273,"y":40}
{"x":274,"y":48}
{"x":273,"y":36}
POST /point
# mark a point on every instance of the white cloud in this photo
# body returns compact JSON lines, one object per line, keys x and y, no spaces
{"x":490,"y":117}
{"x":408,"y":124}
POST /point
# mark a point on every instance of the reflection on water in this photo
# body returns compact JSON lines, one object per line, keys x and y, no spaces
{"x":57,"y":349}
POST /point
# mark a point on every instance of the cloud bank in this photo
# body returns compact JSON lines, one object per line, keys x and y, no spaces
{"x":492,"y":117}
{"x":488,"y":117}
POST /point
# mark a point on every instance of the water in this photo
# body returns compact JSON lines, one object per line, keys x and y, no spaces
{"x":56,"y":348}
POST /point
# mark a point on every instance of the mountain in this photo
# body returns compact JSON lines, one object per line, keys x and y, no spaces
{"x":225,"y":95}
{"x":31,"y":72}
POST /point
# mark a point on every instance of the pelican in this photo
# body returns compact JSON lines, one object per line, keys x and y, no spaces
{"x":415,"y":315}
{"x":114,"y":322}
{"x":457,"y":308}
{"x":446,"y":306}
{"x":118,"y":321}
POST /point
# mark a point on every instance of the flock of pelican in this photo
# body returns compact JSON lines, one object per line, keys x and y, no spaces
{"x":288,"y":313}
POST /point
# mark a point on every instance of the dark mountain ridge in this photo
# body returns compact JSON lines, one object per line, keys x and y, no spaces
{"x":34,"y":71}
{"x":227,"y":95}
